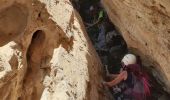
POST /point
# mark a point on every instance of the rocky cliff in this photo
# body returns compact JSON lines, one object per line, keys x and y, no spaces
{"x":145,"y":25}
{"x":45,"y":53}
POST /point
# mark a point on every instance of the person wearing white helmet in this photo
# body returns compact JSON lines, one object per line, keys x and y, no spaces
{"x":127,"y":59}
{"x":130,"y":71}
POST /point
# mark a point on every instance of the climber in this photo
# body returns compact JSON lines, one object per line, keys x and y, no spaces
{"x":93,"y":12}
{"x":135,"y":85}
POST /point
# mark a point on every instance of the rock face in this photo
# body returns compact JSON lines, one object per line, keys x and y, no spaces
{"x":45,"y":53}
{"x":145,"y":25}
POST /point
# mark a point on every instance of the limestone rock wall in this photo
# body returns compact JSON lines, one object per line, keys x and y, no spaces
{"x":45,"y":53}
{"x":145,"y":25}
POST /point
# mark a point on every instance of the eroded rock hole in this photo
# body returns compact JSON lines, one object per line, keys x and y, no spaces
{"x":109,"y":42}
{"x":33,"y":86}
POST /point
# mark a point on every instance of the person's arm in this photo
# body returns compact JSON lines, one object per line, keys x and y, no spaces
{"x":122,"y":76}
{"x":112,"y":76}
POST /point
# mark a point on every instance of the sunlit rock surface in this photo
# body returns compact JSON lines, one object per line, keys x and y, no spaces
{"x":45,"y":53}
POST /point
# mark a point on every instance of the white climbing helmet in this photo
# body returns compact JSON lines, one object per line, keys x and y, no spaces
{"x":129,"y":59}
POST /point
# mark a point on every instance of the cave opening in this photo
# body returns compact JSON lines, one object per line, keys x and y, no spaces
{"x":109,"y":43}
{"x":32,"y":83}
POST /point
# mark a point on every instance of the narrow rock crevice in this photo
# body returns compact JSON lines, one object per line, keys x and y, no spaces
{"x":109,"y":42}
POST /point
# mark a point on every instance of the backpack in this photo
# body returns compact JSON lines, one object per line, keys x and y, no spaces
{"x":141,"y":86}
